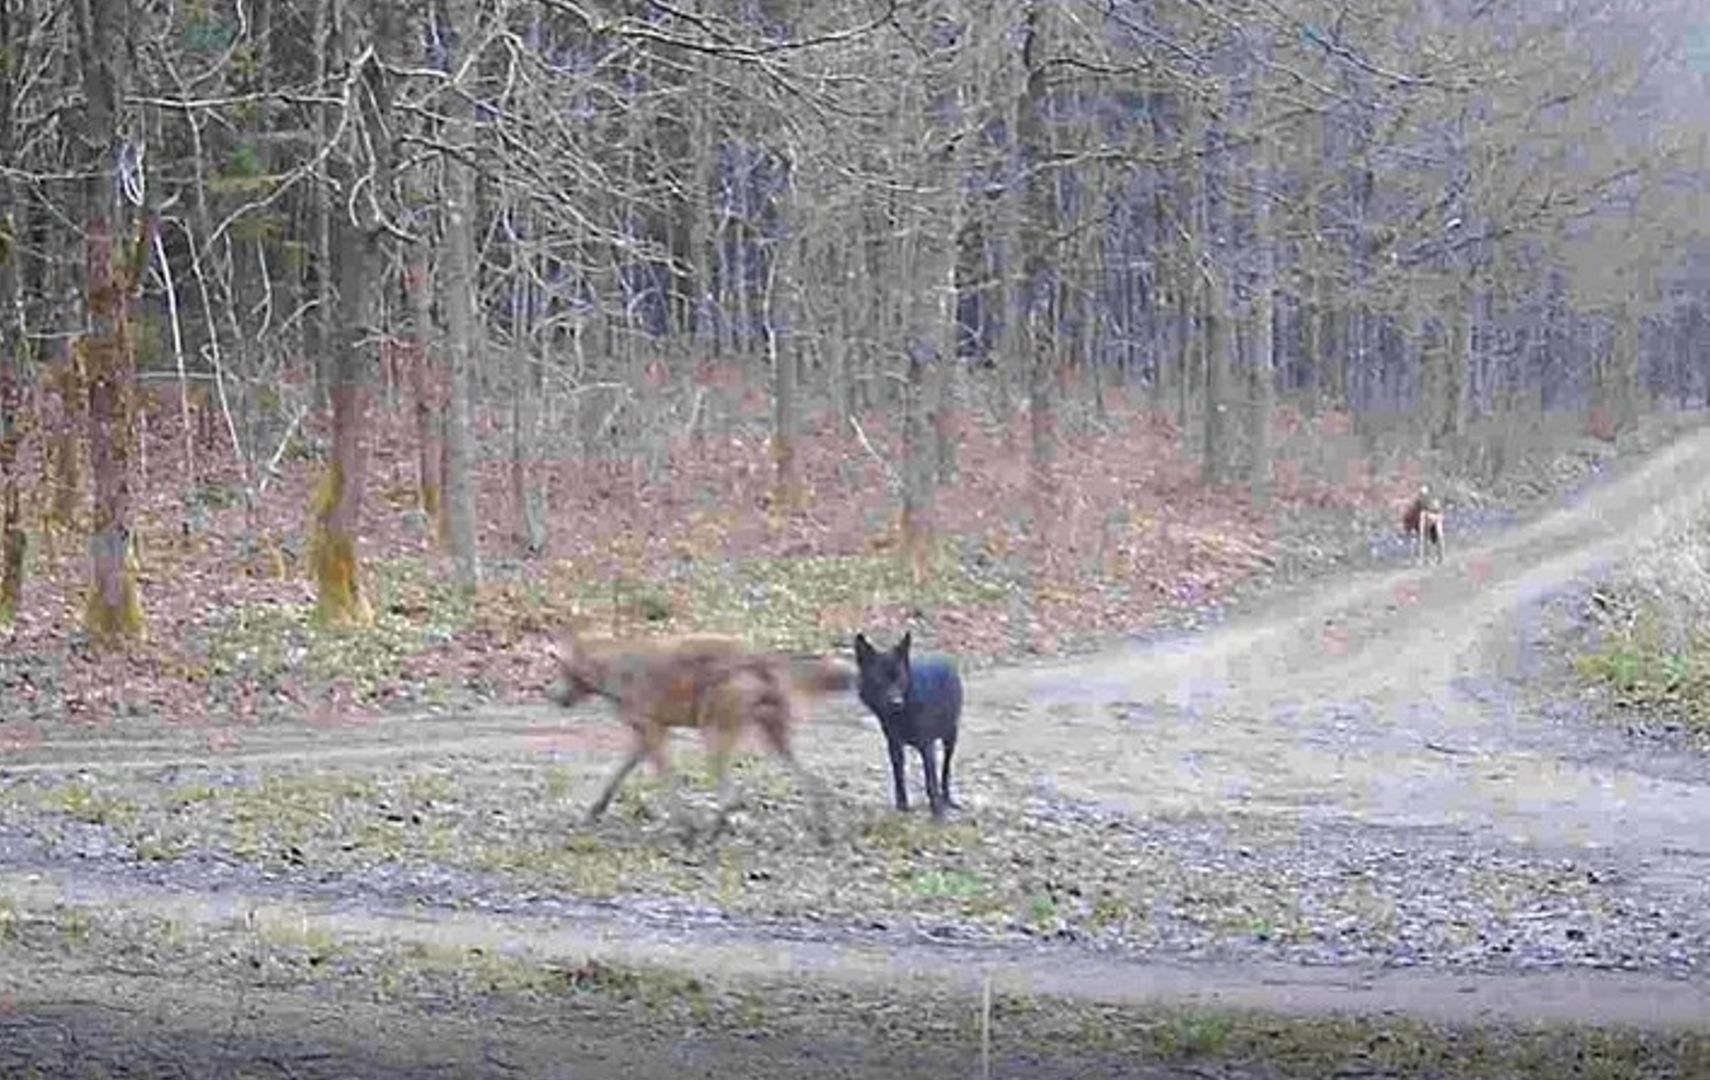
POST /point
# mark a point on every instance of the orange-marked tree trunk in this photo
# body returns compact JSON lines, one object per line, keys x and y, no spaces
{"x":366,"y":160}
{"x":113,"y":613}
{"x":338,"y":497}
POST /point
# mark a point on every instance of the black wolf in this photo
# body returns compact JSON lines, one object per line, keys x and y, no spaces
{"x":918,"y":704}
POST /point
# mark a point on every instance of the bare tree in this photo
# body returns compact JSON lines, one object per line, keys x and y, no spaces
{"x":113,"y":269}
{"x":1262,"y":320}
{"x":1038,"y":225}
{"x":13,"y":343}
{"x":12,"y":419}
{"x":426,"y":383}
{"x":458,"y":285}
{"x":363,"y":176}
{"x":777,"y":321}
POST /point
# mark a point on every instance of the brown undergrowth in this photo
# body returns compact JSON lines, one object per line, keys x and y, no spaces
{"x":668,"y":536}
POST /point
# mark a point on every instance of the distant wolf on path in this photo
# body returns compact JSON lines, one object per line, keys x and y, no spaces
{"x":918,"y":703}
{"x":713,"y":683}
{"x":1423,"y":520}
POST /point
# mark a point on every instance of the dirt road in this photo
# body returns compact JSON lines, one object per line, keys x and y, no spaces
{"x":1398,"y":698}
{"x":1398,"y":704}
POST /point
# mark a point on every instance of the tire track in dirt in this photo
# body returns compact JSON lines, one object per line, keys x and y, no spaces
{"x":1562,"y":995}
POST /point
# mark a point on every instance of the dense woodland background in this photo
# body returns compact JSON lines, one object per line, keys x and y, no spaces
{"x":964,"y":310}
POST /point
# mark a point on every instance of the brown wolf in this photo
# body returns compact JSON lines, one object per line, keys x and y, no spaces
{"x":1423,"y":520}
{"x":708,"y":682}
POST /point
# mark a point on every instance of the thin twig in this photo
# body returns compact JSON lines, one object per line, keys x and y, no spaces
{"x":272,"y":469}
{"x":890,"y":473}
{"x":165,"y":271}
{"x":694,"y":412}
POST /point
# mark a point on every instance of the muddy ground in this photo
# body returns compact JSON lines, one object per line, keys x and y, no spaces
{"x":1369,"y":805}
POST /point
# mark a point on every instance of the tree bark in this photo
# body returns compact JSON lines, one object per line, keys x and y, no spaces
{"x":1456,"y":360}
{"x":526,"y":386}
{"x":12,"y":346}
{"x":1262,"y":367}
{"x":1217,"y":339}
{"x":917,"y":525}
{"x":425,"y":387}
{"x":113,"y":612}
{"x":783,"y":358}
{"x":1187,"y":304}
{"x":1628,"y":385}
{"x":326,"y":39}
{"x":947,"y":374}
{"x":338,"y":499}
{"x":1037,"y":226}
{"x":463,"y":332}
{"x":1218,"y":342}
{"x":929,"y":342}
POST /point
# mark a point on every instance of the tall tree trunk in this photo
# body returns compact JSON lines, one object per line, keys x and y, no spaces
{"x":1625,"y":369}
{"x":1262,"y":367}
{"x":1187,"y":303}
{"x":65,"y":444}
{"x":1626,"y":366}
{"x":928,"y":257}
{"x":527,"y":386}
{"x":326,"y":328}
{"x":365,"y":161}
{"x":12,"y":343}
{"x":1009,"y":351}
{"x":1217,"y":338}
{"x":12,"y":346}
{"x":1263,"y":371}
{"x":338,"y":499}
{"x":1457,"y":356}
{"x":830,"y":303}
{"x":425,"y":387}
{"x":463,"y":333}
{"x":783,"y":357}
{"x":1037,"y":226}
{"x":114,"y":611}
{"x":946,"y":374}
{"x":929,"y":338}
{"x":1219,"y":342}
{"x":955,"y":106}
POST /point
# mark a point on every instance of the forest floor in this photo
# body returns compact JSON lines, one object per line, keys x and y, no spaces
{"x":1360,"y":825}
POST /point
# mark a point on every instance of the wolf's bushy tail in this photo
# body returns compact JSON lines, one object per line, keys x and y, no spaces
{"x":817,"y":675}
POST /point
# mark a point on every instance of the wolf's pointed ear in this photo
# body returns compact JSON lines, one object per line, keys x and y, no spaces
{"x":902,"y":646}
{"x":863,"y":647}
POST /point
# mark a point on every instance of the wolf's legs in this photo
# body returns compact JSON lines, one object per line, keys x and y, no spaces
{"x":719,"y":747}
{"x":810,"y":784}
{"x":894,"y":748}
{"x":649,"y":745}
{"x":629,"y":763}
{"x":944,"y":783}
{"x":934,"y":793}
